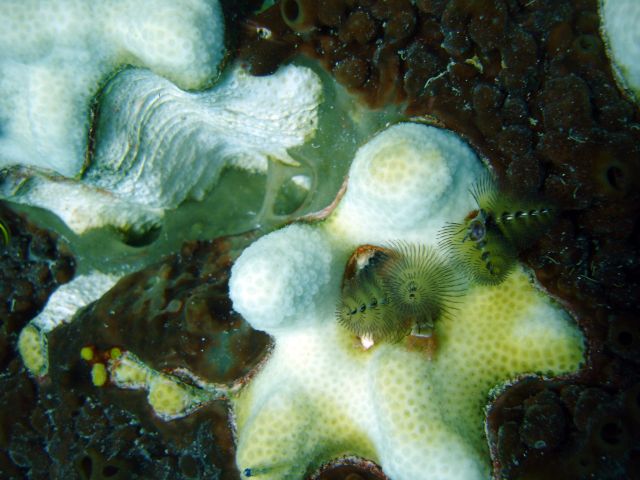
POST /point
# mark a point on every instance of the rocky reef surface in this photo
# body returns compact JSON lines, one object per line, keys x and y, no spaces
{"x":529,"y":85}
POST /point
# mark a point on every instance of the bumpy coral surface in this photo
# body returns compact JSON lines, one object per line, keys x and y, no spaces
{"x":157,"y":145}
{"x":528,"y":83}
{"x":56,"y":54}
{"x":69,"y":298}
{"x":322,"y":395}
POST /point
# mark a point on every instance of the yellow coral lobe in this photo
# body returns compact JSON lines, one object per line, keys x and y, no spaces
{"x":115,"y":352}
{"x":32,"y":346}
{"x":129,"y":372}
{"x":168,"y":398}
{"x":507,"y":330}
{"x":86,"y":353}
{"x":99,"y":374}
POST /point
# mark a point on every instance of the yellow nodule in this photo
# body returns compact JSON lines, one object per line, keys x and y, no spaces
{"x":99,"y":374}
{"x":32,"y":346}
{"x":86,"y":353}
{"x":115,"y":352}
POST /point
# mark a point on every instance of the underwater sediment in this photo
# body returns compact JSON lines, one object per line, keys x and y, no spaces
{"x":529,"y":85}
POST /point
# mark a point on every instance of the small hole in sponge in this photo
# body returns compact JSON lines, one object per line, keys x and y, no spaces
{"x":141,"y":239}
{"x":110,"y":471}
{"x":291,"y":10}
{"x":611,"y":433}
{"x":615,"y":177}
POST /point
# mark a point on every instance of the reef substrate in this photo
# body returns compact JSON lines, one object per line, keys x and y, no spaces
{"x":67,"y":427}
{"x":529,"y":85}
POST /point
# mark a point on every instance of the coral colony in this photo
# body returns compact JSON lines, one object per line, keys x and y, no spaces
{"x":320,"y":395}
{"x":374,"y":335}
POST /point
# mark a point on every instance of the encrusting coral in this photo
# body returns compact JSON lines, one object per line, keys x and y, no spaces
{"x":56,"y":54}
{"x":157,"y":145}
{"x":323,"y":396}
{"x":82,"y":126}
{"x":149,"y":130}
{"x":532,"y":86}
{"x":60,"y":308}
{"x":128,"y":379}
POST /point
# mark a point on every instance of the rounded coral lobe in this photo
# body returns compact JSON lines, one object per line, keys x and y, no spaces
{"x":275,"y":283}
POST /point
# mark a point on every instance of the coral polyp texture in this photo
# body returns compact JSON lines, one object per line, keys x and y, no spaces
{"x":157,"y":145}
{"x":620,"y":28}
{"x":321,"y":395}
{"x":56,"y":54}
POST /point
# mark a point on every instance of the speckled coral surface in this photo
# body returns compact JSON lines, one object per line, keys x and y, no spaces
{"x":322,"y":396}
{"x":532,"y":85}
{"x":157,"y":145}
{"x":590,"y":258}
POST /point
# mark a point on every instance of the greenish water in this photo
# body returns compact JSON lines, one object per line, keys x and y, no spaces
{"x":242,"y":201}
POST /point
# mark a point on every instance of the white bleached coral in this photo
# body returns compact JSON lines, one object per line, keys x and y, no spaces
{"x":60,"y":308}
{"x":406,"y":181}
{"x":620,"y":20}
{"x":157,"y":145}
{"x":55,"y":55}
{"x":71,"y":297}
{"x":321,"y":396}
{"x":295,"y":296}
{"x":82,"y":207}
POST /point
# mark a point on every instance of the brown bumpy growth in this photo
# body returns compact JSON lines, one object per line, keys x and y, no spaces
{"x":173,"y":314}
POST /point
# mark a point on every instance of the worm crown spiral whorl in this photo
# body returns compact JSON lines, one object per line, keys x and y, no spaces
{"x":395,"y":290}
{"x":421,"y":285}
{"x":521,"y":219}
{"x":479,"y":248}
